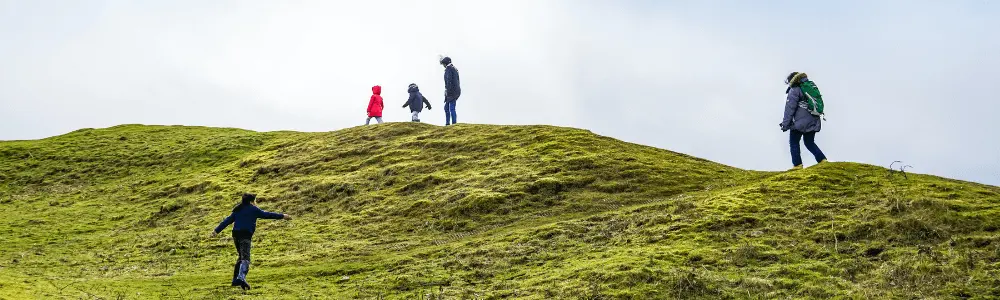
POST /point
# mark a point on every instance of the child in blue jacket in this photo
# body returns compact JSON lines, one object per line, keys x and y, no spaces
{"x":416,"y":102}
{"x":244,"y":220}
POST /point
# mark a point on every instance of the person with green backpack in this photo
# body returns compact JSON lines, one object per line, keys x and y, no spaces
{"x":803,"y":114}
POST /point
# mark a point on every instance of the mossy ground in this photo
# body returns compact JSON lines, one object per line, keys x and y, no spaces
{"x":411,"y":211}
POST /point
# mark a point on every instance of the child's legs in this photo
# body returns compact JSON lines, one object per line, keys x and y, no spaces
{"x":368,"y":120}
{"x":242,"y":241}
{"x":239,"y":261}
{"x":379,"y":119}
{"x":244,"y":263}
{"x":415,"y":116}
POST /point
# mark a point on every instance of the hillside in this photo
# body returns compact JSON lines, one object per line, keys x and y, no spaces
{"x":410,"y":211}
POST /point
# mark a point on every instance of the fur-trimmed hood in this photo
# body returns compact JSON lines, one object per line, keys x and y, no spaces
{"x":794,"y":80}
{"x":797,"y":79}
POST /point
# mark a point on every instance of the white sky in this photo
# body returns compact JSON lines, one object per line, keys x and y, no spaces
{"x":903,"y":80}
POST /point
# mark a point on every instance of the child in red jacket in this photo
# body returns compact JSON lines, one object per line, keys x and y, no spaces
{"x":375,"y":105}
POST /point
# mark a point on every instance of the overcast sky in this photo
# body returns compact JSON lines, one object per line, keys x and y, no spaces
{"x":908,"y":80}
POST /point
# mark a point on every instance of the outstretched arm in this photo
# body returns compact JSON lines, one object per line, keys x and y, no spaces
{"x":225,"y":223}
{"x":263,"y":214}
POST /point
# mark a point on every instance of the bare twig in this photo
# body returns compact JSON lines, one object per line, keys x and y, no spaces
{"x":50,"y":281}
{"x":901,"y":170}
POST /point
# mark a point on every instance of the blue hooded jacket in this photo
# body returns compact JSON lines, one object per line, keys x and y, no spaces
{"x":416,"y":100}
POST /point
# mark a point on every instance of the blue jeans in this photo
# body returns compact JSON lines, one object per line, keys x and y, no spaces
{"x":793,"y":142}
{"x":449,"y":113}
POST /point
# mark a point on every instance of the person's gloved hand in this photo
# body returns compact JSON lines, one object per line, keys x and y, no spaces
{"x":783,"y":128}
{"x":428,"y":107}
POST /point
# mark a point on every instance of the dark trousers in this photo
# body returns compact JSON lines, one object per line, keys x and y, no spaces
{"x":242,"y":241}
{"x":810,"y":137}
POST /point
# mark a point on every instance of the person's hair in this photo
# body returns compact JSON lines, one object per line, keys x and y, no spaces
{"x":788,"y":79}
{"x":247,"y":200}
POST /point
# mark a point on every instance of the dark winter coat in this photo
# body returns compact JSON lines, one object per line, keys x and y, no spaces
{"x":416,"y":101}
{"x":797,"y":116}
{"x":452,"y":86}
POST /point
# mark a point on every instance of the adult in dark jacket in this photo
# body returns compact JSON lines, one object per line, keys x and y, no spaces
{"x":416,"y":102}
{"x":800,"y":121}
{"x":244,"y":220}
{"x":452,"y":90}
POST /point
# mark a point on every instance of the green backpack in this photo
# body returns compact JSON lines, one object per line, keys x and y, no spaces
{"x":814,"y":100}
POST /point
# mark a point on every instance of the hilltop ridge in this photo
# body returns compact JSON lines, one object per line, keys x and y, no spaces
{"x":474,"y":211}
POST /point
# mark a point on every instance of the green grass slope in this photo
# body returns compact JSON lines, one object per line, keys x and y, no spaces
{"x":412,"y":211}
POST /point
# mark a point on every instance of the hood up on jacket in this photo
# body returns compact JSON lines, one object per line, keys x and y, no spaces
{"x":795,"y":79}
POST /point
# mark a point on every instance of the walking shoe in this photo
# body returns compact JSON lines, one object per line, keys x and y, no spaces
{"x":243,"y":284}
{"x":823,"y":161}
{"x":799,"y":167}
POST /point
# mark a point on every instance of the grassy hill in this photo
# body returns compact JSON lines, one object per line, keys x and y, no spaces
{"x":411,"y":211}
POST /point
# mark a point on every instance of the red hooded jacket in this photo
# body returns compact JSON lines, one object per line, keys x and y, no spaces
{"x":375,"y":103}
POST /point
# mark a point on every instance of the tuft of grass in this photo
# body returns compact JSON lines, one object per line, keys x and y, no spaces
{"x":413,"y":211}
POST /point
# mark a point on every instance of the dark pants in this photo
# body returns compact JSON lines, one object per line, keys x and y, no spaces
{"x":242,"y":241}
{"x":793,"y":142}
{"x":449,"y":113}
